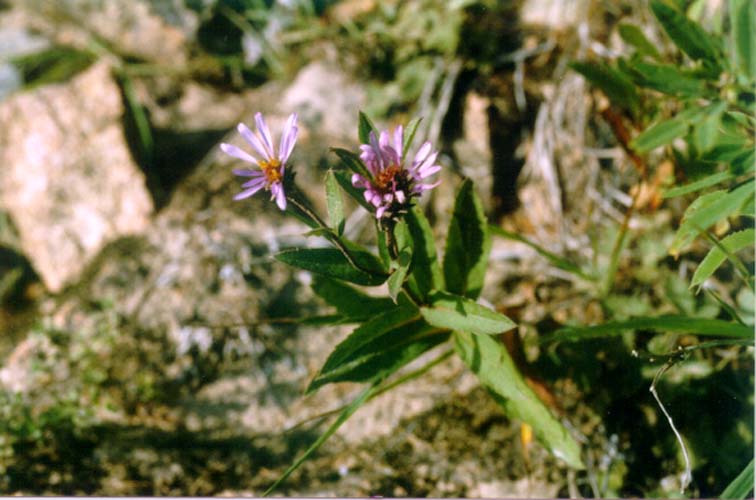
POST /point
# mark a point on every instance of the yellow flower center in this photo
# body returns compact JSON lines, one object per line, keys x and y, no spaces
{"x":385,"y":177}
{"x":272,"y":170}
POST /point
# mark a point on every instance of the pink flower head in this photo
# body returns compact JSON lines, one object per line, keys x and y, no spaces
{"x":271,"y":163}
{"x":392,"y":186}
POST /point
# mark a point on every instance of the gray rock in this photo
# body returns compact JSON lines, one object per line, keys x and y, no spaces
{"x":69,"y":183}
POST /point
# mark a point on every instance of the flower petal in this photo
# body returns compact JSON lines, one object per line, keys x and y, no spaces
{"x":254,"y":183}
{"x":236,"y":152}
{"x":253,"y":140}
{"x":248,"y":192}
{"x":262,"y":129}
{"x":245,"y":172}
{"x":278,"y":192}
{"x":288,"y":138}
{"x":422,"y":153}
{"x":381,"y":210}
{"x":398,"y":140}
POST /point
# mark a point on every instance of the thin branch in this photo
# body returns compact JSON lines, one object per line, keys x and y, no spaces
{"x":686,"y":476}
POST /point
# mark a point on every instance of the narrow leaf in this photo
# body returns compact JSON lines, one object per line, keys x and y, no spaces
{"x":689,"y":37}
{"x":352,"y":162}
{"x":402,"y":264}
{"x":425,"y":274}
{"x":633,"y":35}
{"x":731,"y":243}
{"x":555,"y":260}
{"x":329,"y":262}
{"x":365,"y":127}
{"x":460,"y":313}
{"x":490,"y":361}
{"x":343,"y":417}
{"x":617,"y":87}
{"x":743,"y":22}
{"x":348,"y":300}
{"x":334,"y":203}
{"x":666,"y":78}
{"x":678,"y":324}
{"x":708,"y":210}
{"x":345,"y":181}
{"x":698,"y":185}
{"x":409,"y":135}
{"x":467,"y":244}
{"x":659,"y":134}
{"x":741,"y":486}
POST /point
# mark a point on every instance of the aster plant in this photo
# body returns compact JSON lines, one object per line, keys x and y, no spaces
{"x":432,"y":304}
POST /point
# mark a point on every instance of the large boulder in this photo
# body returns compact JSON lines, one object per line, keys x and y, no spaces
{"x":69,"y":183}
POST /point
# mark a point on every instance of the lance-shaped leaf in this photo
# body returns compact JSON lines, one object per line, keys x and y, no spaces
{"x":633,"y":35}
{"x":743,"y":22}
{"x":425,"y":273}
{"x":731,"y":243}
{"x":364,"y":128}
{"x":352,"y":162}
{"x":686,"y":34}
{"x":660,"y":134}
{"x":741,"y":486}
{"x":403,"y":261}
{"x":467,"y":244}
{"x":666,"y":78}
{"x":617,"y":86}
{"x":460,"y":313}
{"x":490,"y":361}
{"x":344,"y":179}
{"x":332,"y":263}
{"x":707,"y":210}
{"x":334,"y":203}
{"x":409,"y":135}
{"x":348,"y":300}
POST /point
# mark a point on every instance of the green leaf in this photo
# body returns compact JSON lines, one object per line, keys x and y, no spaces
{"x":741,"y":486}
{"x":660,"y":134}
{"x":679,"y":324}
{"x":706,"y":131}
{"x":698,"y":185}
{"x":404,"y":345}
{"x":467,"y":244}
{"x":348,"y":300}
{"x":490,"y":361}
{"x":633,"y":35}
{"x":618,"y":88}
{"x":52,"y":65}
{"x":352,"y":162}
{"x":334,"y":203}
{"x":460,"y":313}
{"x":743,"y":22}
{"x":332,"y":263}
{"x":731,"y":243}
{"x":343,"y":417}
{"x":706,"y":211}
{"x":689,"y":37}
{"x":425,"y":273}
{"x":365,"y":127}
{"x":726,"y":152}
{"x":555,"y":260}
{"x":409,"y":135}
{"x":666,"y":78}
{"x":402,"y":263}
{"x":345,"y":181}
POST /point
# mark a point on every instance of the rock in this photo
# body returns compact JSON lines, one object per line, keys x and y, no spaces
{"x":326,"y":99}
{"x":69,"y":183}
{"x":130,"y":27}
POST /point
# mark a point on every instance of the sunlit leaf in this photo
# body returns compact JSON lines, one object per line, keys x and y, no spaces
{"x":633,"y":35}
{"x":743,"y":22}
{"x":490,"y":361}
{"x":332,"y":263}
{"x":689,"y":37}
{"x":698,"y":185}
{"x":334,"y":203}
{"x":365,"y":127}
{"x":425,"y":273}
{"x":741,"y":486}
{"x":731,"y":243}
{"x":460,"y":313}
{"x":660,"y":134}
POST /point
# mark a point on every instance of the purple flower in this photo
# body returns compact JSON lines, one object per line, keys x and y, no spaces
{"x":271,"y":164}
{"x":392,"y":186}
